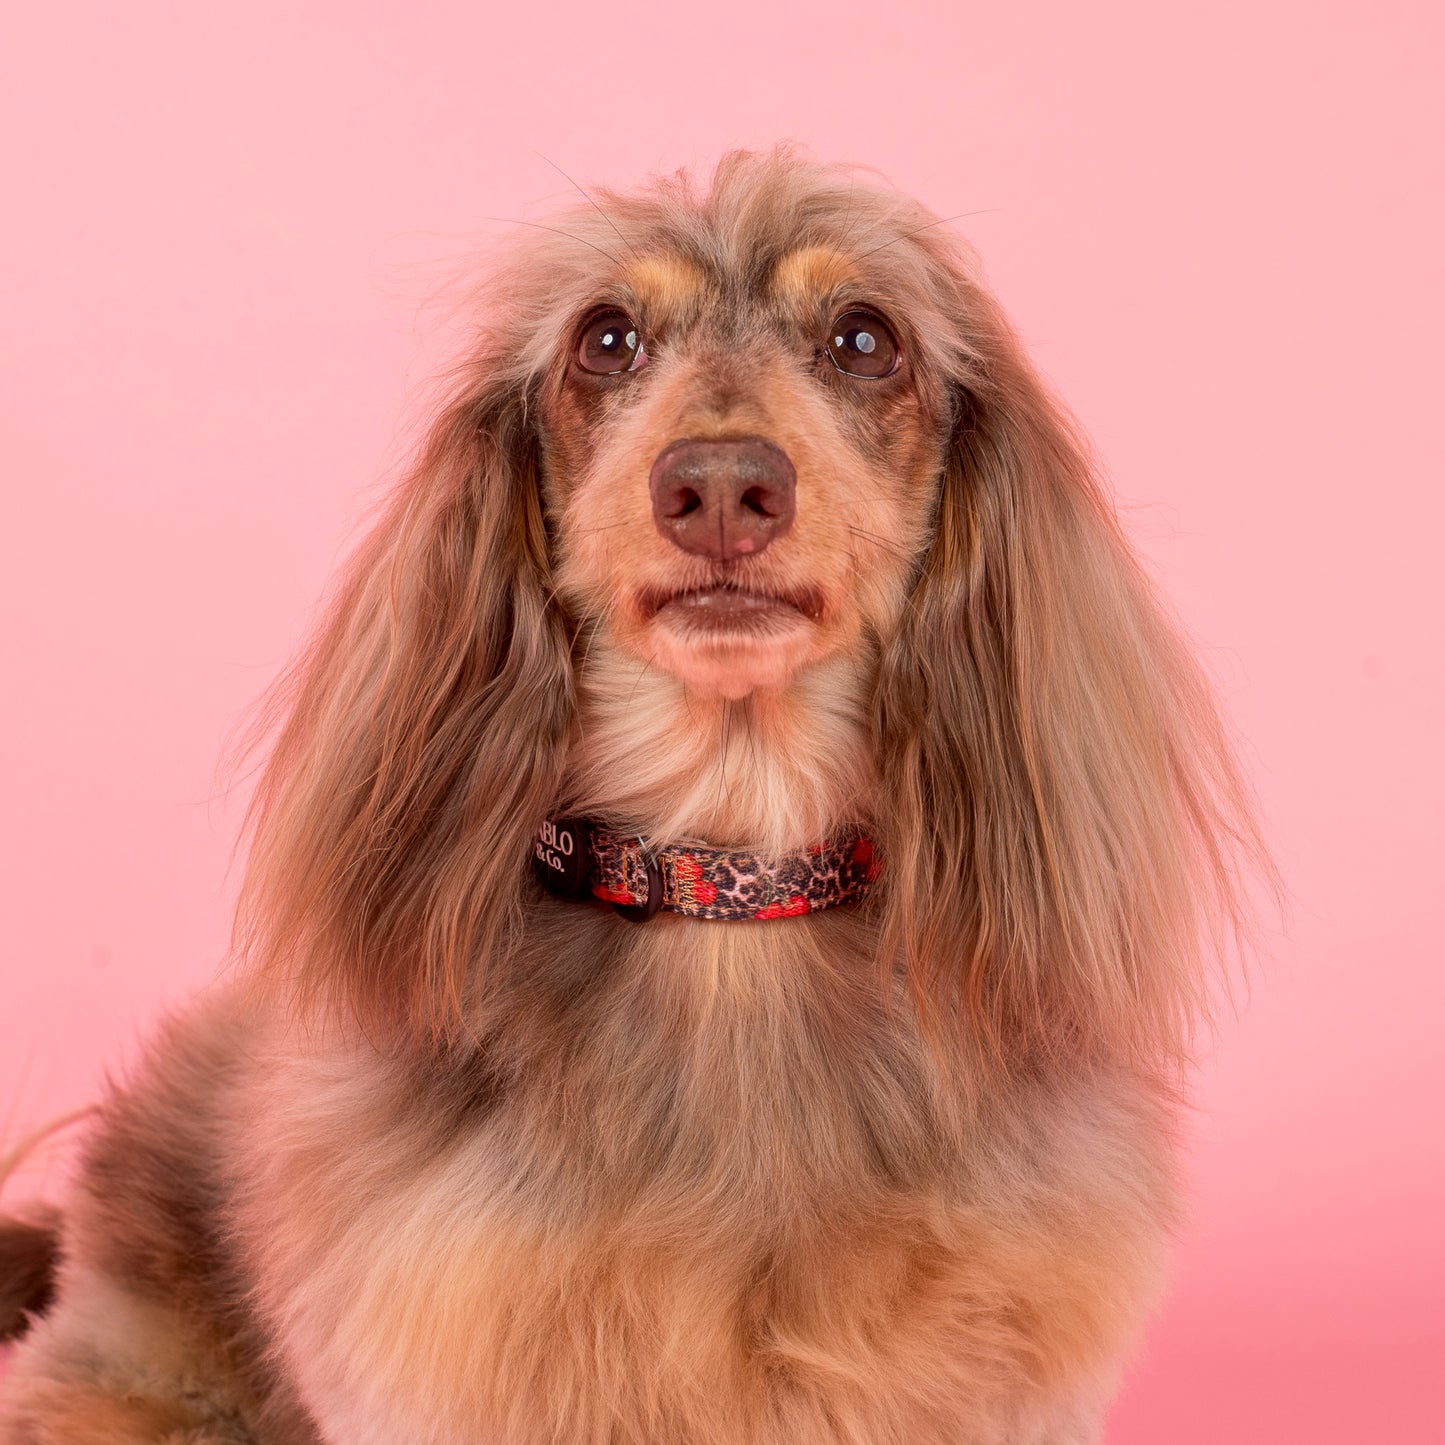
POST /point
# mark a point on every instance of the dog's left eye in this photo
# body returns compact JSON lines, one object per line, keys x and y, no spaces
{"x":861,"y":344}
{"x":610,"y":343}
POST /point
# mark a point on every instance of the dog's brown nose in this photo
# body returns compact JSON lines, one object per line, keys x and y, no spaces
{"x":723,"y":499}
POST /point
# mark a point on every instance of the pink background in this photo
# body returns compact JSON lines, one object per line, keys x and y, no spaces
{"x":1220,"y":234}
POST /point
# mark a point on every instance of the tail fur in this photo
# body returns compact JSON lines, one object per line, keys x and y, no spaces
{"x":29,"y":1257}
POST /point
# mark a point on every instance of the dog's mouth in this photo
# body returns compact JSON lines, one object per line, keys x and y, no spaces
{"x":730,"y":637}
{"x":724,"y":607}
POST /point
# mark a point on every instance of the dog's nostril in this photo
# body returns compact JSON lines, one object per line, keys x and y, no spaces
{"x":723,"y":499}
{"x":754,"y":499}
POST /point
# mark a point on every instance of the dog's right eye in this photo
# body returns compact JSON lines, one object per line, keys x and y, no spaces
{"x":610,"y":342}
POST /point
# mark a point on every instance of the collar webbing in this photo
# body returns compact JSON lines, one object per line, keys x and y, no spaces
{"x":578,"y":858}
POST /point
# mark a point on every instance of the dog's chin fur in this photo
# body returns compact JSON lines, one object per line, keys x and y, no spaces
{"x":775,"y":769}
{"x":455,"y":1162}
{"x":729,"y":664}
{"x":733,"y":665}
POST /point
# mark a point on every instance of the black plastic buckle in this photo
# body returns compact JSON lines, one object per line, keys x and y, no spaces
{"x":641,"y":912}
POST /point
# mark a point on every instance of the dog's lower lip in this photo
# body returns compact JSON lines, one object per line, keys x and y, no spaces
{"x":728,"y":600}
{"x":724,"y":608}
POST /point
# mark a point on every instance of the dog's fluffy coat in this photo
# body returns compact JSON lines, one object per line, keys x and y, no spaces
{"x":456,"y":1163}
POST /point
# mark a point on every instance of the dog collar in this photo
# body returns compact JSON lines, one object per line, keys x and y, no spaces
{"x":577,"y":858}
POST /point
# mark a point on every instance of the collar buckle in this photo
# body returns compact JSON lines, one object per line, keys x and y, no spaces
{"x":648,"y":908}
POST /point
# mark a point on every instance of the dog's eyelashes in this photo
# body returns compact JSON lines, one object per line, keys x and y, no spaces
{"x":610,"y":343}
{"x":861,"y":344}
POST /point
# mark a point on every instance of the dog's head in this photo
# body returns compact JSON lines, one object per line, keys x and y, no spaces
{"x":734,"y":440}
{"x":743,"y":417}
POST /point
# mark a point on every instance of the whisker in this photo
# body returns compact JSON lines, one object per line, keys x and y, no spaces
{"x":593,"y":629}
{"x":890,"y":547}
{"x":919,"y":230}
{"x":590,"y":199}
{"x":556,"y":231}
{"x":752,"y":740}
{"x":849,"y":216}
{"x":722,"y":771}
{"x":641,"y":673}
{"x":610,"y":527}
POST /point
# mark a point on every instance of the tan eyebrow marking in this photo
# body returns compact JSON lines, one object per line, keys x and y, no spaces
{"x":806,"y":275}
{"x":668,"y":286}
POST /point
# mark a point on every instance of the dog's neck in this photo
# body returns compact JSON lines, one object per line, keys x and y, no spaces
{"x":771,"y":772}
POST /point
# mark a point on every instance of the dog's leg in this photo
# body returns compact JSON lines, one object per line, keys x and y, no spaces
{"x":149,"y":1337}
{"x":63,"y":1412}
{"x":29,"y":1257}
{"x":109,"y":1368}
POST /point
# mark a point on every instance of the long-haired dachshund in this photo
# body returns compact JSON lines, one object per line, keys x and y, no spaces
{"x":725,"y":906}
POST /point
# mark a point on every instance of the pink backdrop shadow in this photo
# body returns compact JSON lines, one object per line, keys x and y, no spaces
{"x":1220,"y":234}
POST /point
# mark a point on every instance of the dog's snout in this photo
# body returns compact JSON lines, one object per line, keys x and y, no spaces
{"x":723,"y":499}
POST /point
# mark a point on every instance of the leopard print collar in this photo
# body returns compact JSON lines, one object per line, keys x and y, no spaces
{"x":576,"y":858}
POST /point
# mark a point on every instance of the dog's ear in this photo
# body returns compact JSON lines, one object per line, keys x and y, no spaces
{"x":1063,"y":811}
{"x":422,"y":739}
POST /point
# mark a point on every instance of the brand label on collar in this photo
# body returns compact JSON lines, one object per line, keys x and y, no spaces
{"x":562,"y":856}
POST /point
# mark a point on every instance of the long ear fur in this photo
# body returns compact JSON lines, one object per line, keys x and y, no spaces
{"x":426,"y":724}
{"x":1065,"y":813}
